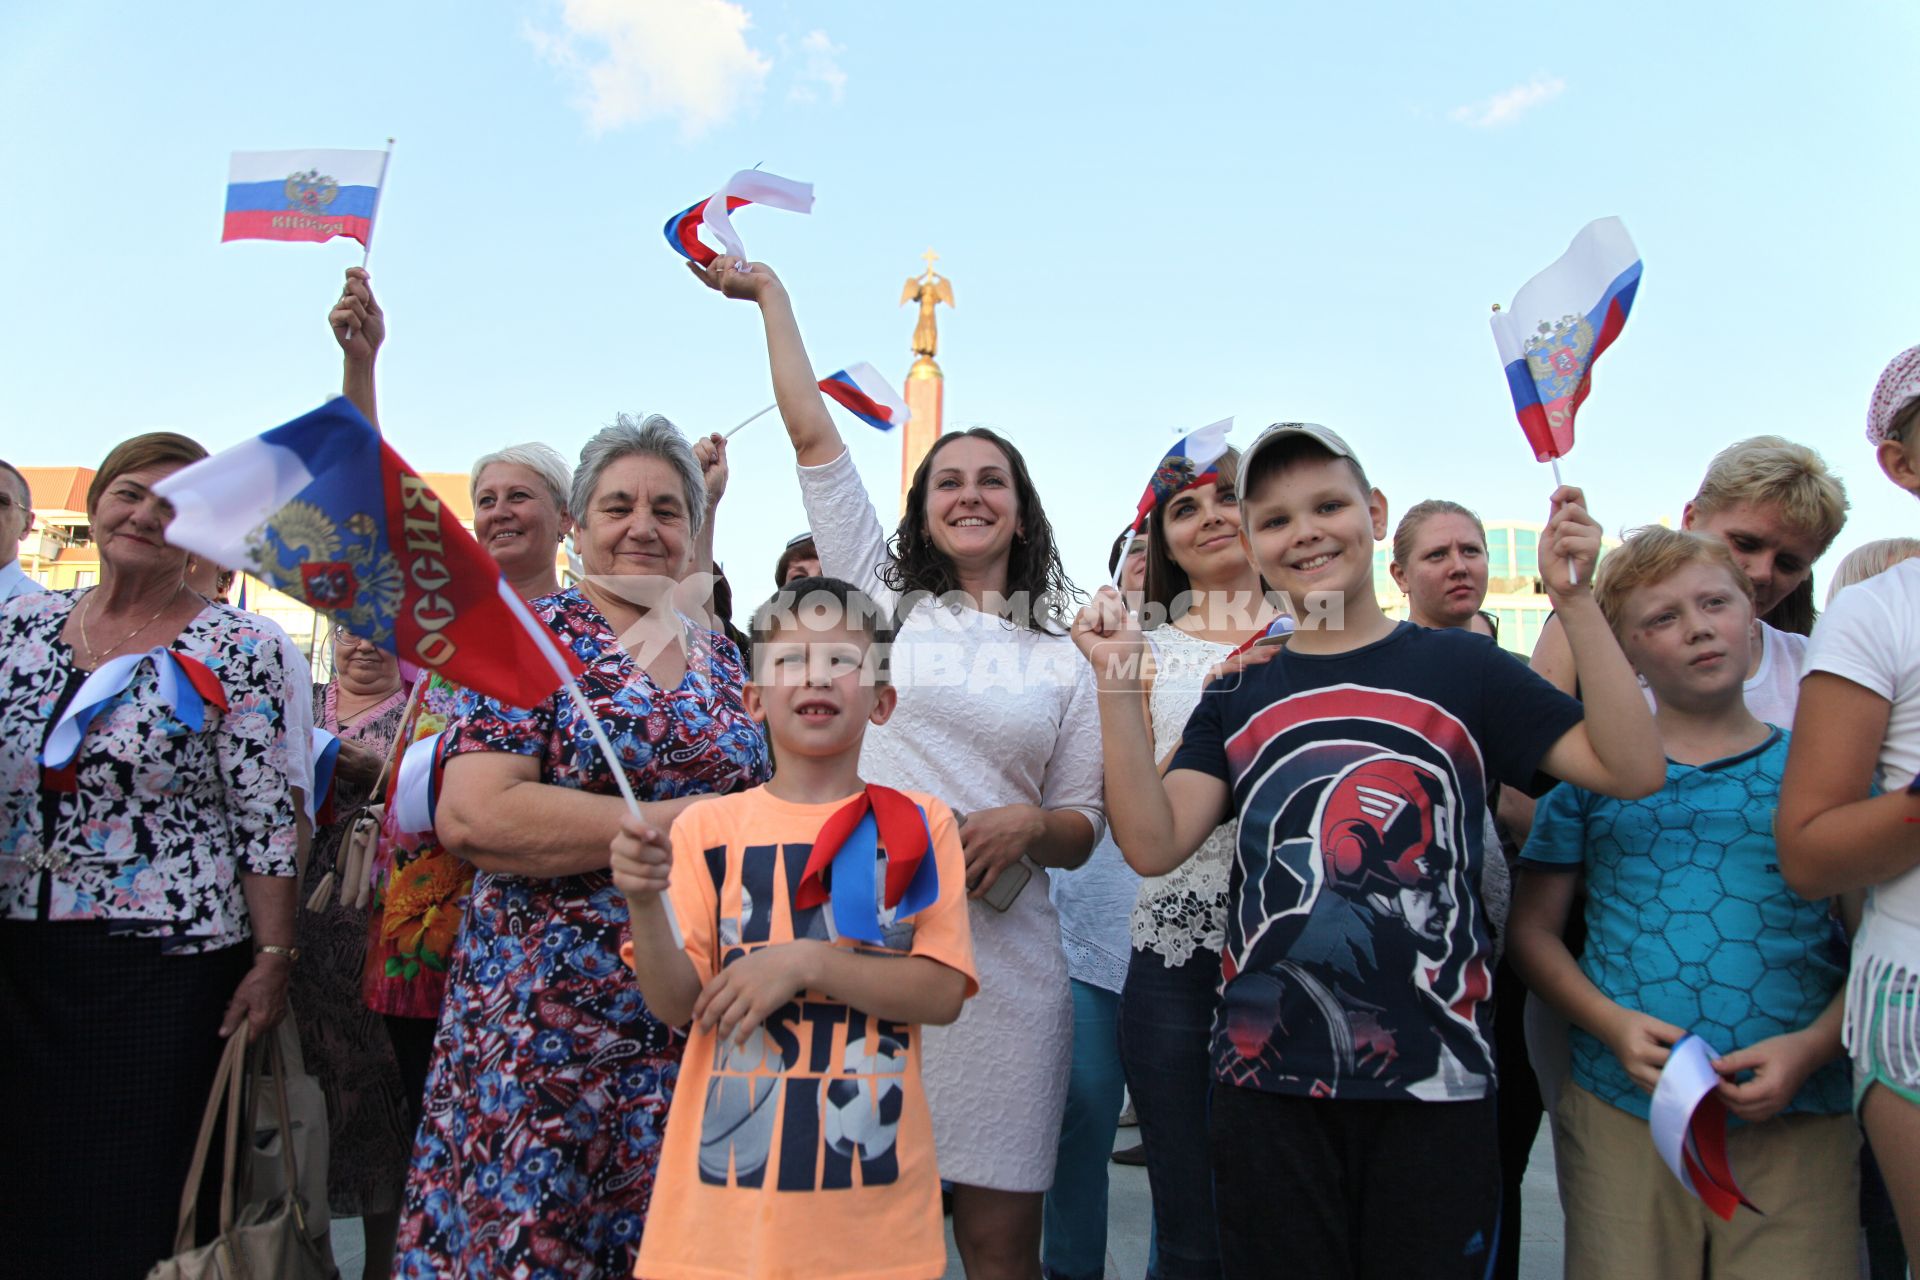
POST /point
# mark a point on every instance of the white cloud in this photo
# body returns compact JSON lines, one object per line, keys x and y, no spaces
{"x":1509,"y":105}
{"x":640,"y":60}
{"x":820,"y":72}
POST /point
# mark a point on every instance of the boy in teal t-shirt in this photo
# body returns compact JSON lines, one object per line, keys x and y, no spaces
{"x":1690,"y":929}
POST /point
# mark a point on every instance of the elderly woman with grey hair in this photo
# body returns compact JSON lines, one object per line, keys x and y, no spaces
{"x":550,"y":1081}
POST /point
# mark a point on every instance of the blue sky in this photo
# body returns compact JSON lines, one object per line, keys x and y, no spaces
{"x":1154,"y":216}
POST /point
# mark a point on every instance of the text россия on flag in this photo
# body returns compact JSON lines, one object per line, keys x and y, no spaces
{"x":302,"y":195}
{"x":324,"y":510}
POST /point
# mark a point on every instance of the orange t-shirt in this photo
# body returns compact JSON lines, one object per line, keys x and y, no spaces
{"x":807,"y":1152}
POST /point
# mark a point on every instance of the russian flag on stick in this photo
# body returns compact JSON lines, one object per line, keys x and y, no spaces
{"x":749,"y":186}
{"x":325,"y":511}
{"x":1189,"y":464}
{"x":303,"y":195}
{"x":861,"y":391}
{"x":1560,"y":322}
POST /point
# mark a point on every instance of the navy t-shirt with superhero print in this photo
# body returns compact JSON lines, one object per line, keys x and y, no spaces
{"x":1358,"y":961}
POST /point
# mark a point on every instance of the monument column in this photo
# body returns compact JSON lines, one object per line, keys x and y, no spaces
{"x":925,"y":383}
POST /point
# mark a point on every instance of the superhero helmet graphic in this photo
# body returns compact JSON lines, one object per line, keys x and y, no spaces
{"x":1383,"y":827}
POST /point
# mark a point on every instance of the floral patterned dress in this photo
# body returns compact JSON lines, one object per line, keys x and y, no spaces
{"x":550,"y":1082}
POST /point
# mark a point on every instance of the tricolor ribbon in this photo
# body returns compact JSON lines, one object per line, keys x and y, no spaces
{"x":186,"y":685}
{"x":840,"y":868}
{"x":1689,"y":1124}
{"x":749,"y":186}
{"x":416,"y":788}
{"x":326,"y":754}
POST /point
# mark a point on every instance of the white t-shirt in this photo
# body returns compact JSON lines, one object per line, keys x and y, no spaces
{"x":1870,"y":635}
{"x":1773,"y":690}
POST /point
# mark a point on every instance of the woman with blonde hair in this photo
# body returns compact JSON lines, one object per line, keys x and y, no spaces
{"x":1440,"y":561}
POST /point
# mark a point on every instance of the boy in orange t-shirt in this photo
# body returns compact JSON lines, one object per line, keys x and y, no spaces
{"x":824,"y":922}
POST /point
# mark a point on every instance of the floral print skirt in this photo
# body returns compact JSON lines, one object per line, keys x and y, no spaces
{"x":548,"y":1094}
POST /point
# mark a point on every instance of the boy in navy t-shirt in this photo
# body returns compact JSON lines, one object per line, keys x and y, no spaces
{"x":1353,"y":1128}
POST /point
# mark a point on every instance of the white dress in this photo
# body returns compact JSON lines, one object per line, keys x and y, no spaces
{"x":989,"y":715}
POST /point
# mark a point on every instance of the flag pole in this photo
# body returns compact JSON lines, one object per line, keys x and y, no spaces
{"x":1120,"y":568}
{"x":1573,"y":574}
{"x":612,"y":758}
{"x":543,"y":640}
{"x":373,"y":218}
{"x":763,"y":413}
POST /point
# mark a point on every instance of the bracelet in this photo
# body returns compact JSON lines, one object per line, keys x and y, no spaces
{"x":291,"y":953}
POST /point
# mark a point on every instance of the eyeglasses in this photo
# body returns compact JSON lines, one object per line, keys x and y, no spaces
{"x":348,"y":640}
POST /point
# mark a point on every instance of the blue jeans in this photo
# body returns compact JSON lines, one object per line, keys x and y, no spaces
{"x":1074,"y":1228}
{"x":1166,"y":1026}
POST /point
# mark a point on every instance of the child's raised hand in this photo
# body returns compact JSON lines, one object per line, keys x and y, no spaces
{"x":742,"y":995}
{"x":1780,"y":1065}
{"x":749,"y":281}
{"x":642,"y":858}
{"x":1642,"y":1043}
{"x":1569,"y":546}
{"x":1109,"y":634}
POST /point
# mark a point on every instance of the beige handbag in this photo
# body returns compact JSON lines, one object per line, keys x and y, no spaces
{"x":265,"y":1170}
{"x":267,"y":1240}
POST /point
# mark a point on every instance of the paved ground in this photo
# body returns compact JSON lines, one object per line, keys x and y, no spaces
{"x":1128,"y":1213}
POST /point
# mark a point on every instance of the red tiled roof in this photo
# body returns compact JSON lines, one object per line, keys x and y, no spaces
{"x":59,"y":488}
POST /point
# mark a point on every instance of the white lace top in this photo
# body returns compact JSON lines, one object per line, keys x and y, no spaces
{"x":1187,"y":907}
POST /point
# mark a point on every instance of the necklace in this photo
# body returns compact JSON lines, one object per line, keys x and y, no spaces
{"x":93,"y":655}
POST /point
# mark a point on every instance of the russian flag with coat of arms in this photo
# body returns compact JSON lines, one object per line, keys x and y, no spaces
{"x":303,"y":195}
{"x":1560,"y":322}
{"x":324,"y":510}
{"x":1193,"y":461}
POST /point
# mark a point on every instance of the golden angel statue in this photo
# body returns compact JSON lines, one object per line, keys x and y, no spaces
{"x":927,"y":290}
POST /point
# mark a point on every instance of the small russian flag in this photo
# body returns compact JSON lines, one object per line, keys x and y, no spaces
{"x":861,"y":391}
{"x":1560,"y":322}
{"x":303,"y":195}
{"x":749,"y":186}
{"x":1187,"y":464}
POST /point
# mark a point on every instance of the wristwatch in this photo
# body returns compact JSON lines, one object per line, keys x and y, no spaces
{"x":291,"y":953}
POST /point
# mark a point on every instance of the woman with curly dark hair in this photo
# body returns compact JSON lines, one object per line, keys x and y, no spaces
{"x":998,"y":719}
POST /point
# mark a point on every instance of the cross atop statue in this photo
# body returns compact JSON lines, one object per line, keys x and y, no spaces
{"x":927,"y":290}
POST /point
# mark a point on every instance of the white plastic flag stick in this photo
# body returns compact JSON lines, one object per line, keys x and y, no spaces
{"x":1120,"y":567}
{"x":373,"y":218}
{"x":1573,"y":574}
{"x":544,"y":639}
{"x":763,"y":413}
